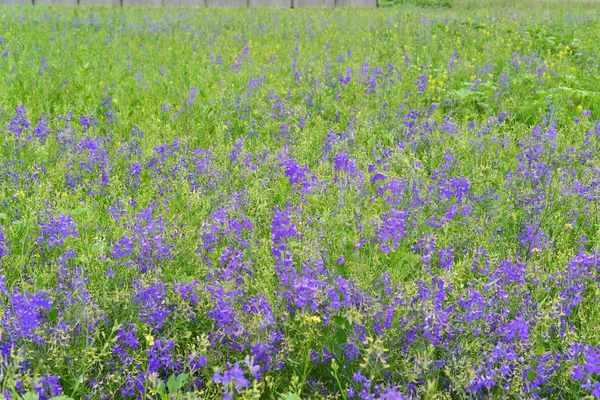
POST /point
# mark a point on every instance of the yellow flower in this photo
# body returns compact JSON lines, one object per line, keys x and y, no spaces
{"x":568,"y":227}
{"x":313,"y":319}
{"x":149,"y":340}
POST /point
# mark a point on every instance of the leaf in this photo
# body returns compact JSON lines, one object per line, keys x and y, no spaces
{"x":30,"y":396}
{"x":342,"y":269}
{"x":341,"y":337}
{"x":182,"y":379}
{"x":172,"y":384}
{"x":53,"y":314}
{"x":77,"y":211}
{"x":3,"y":216}
{"x":160,"y":389}
{"x":61,"y":398}
{"x":340,"y":321}
{"x":97,"y":247}
{"x":176,"y":382}
{"x":531,"y":375}
{"x":462,"y":93}
{"x":290,"y":396}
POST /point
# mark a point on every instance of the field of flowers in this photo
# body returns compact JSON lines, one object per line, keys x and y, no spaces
{"x":387,"y":204}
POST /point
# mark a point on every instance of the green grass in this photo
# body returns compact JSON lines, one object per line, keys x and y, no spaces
{"x":495,"y":73}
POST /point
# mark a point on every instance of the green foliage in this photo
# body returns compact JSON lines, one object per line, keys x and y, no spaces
{"x":290,"y":396}
{"x":479,"y":59}
{"x":418,"y":3}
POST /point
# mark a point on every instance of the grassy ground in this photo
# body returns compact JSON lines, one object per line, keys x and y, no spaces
{"x":393,"y":203}
{"x":481,"y":4}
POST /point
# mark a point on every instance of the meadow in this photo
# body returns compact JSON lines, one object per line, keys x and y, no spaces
{"x":398,"y":203}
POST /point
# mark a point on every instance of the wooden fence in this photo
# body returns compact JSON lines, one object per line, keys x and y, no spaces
{"x":200,"y":3}
{"x":227,"y":3}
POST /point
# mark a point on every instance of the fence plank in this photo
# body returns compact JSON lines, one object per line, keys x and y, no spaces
{"x":184,"y":3}
{"x":356,"y":3}
{"x":151,"y":3}
{"x":227,"y":3}
{"x":55,"y":2}
{"x":270,"y":3}
{"x":99,"y":2}
{"x":314,"y":3}
{"x":16,"y":3}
